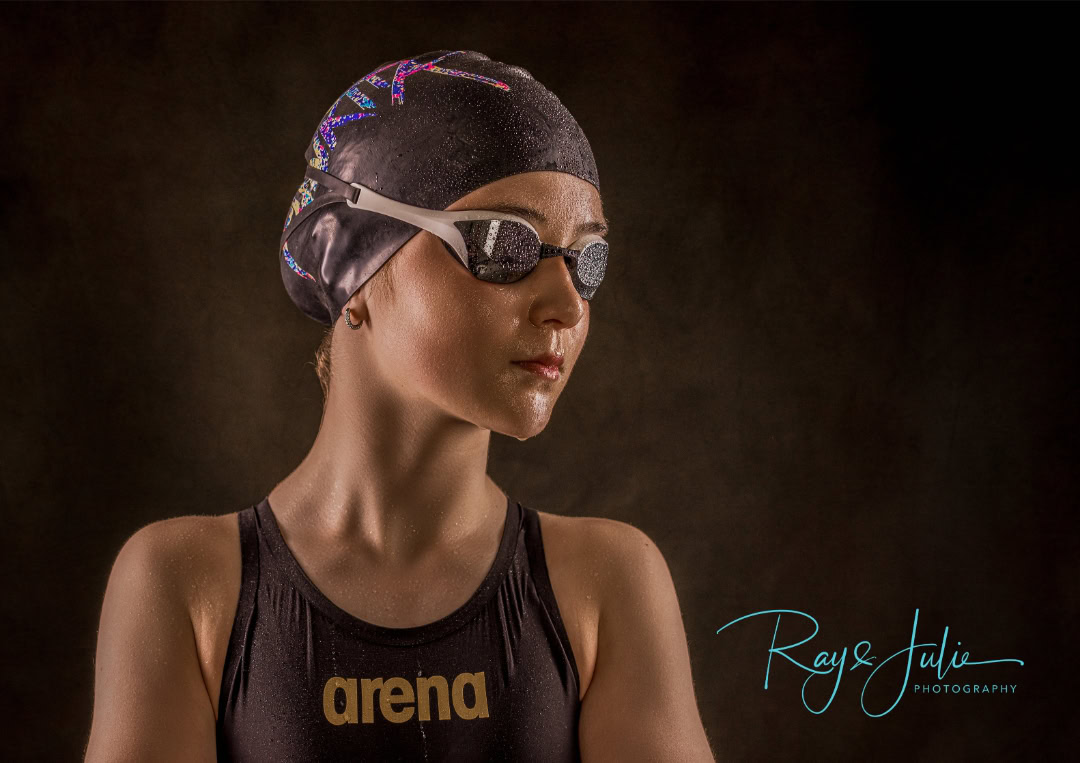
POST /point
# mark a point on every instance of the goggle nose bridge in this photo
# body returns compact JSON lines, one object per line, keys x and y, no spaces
{"x":550,"y":250}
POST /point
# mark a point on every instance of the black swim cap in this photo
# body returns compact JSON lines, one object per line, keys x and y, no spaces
{"x":425,"y":131}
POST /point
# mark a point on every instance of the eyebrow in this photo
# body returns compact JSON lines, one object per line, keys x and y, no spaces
{"x":599,"y":227}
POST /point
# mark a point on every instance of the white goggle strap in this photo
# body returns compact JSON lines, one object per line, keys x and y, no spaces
{"x":430,"y":220}
{"x":438,"y":222}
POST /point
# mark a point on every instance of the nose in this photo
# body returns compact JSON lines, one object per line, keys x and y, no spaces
{"x":554,"y":296}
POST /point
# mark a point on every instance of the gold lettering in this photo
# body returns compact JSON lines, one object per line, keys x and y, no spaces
{"x":424,"y":685}
{"x":368,"y":687}
{"x":387,"y":699}
{"x":399,"y":691}
{"x":480,"y":708}
{"x":330,"y":694}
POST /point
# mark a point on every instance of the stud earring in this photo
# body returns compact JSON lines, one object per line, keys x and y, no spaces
{"x":349,"y":323}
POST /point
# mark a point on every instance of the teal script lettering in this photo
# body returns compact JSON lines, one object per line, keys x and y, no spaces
{"x":931,"y":655}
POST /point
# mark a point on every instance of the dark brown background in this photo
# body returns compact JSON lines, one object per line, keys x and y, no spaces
{"x":831,"y":370}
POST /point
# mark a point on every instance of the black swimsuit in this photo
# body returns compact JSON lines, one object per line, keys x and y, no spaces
{"x":306,"y":681}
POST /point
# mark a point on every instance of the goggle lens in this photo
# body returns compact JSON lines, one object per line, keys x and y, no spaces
{"x":589,"y":268}
{"x":504,"y":251}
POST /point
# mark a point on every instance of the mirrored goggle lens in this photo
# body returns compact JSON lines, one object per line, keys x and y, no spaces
{"x":500,"y":251}
{"x":589,"y":268}
{"x":504,"y":251}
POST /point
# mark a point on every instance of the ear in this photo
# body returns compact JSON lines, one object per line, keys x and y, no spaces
{"x":357,"y":306}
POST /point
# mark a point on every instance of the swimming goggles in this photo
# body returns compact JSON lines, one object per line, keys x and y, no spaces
{"x":497,"y":247}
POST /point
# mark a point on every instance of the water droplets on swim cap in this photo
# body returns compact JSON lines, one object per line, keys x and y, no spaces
{"x":424,"y":130}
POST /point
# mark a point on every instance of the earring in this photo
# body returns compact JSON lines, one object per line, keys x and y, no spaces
{"x":349,"y":323}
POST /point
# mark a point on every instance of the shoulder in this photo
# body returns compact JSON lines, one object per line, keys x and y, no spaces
{"x":611,"y":570}
{"x":639,"y":700}
{"x":587,"y":557}
{"x":191,"y":567}
{"x":608,"y":531}
{"x":177,"y":543}
{"x":150,"y":695}
{"x":187,"y":557}
{"x":615,"y":554}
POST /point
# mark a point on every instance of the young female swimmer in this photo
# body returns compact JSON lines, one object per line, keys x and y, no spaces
{"x":387,"y":600}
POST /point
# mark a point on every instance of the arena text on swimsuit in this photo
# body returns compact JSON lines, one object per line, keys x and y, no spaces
{"x":399,"y":691}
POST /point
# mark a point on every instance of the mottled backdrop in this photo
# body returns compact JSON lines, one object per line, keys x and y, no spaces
{"x":832,"y":370}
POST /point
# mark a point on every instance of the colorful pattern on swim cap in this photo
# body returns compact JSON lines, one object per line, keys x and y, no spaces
{"x":332,"y":120}
{"x":292,"y":263}
{"x":377,"y":81}
{"x":408,"y":67}
{"x":326,"y":129}
{"x":304,"y":195}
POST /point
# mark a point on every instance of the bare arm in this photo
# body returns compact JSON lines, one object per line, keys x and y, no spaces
{"x":150,"y":701}
{"x":640,"y":705}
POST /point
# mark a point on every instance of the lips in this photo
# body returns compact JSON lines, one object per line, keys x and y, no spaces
{"x":547,"y":359}
{"x":546,"y":365}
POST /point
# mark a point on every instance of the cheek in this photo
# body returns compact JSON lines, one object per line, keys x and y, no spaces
{"x":449,"y":338}
{"x":445,"y":334}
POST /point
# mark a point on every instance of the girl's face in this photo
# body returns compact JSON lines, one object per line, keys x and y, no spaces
{"x":443,"y":336}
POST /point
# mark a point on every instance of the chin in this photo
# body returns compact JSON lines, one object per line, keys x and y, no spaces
{"x":520,"y":428}
{"x":512,"y":411}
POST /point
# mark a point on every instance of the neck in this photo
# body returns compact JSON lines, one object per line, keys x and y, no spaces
{"x":396,"y":477}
